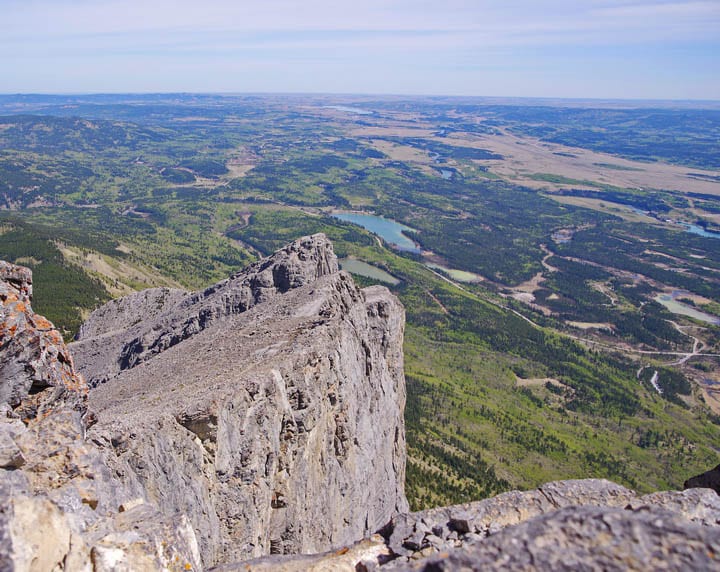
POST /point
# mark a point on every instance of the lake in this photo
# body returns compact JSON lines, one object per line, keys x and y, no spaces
{"x":348,"y":109}
{"x":459,"y":275}
{"x":691,"y":228}
{"x":389,"y":230}
{"x":361,"y":268}
{"x":669,"y":301}
{"x":695,"y":229}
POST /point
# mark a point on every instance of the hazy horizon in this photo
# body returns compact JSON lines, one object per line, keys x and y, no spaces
{"x":358,"y":98}
{"x":663,"y":50}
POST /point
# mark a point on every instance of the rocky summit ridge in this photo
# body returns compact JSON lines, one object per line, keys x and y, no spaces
{"x":257,"y":425}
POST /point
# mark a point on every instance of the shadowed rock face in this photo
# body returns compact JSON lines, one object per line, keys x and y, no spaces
{"x":707,"y":480}
{"x":267,"y":408}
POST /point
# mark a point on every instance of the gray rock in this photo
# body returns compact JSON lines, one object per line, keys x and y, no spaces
{"x":363,"y":556}
{"x":468,"y":522}
{"x":460,"y":523}
{"x":588,"y":538}
{"x":129,"y":331}
{"x":58,"y":500}
{"x":11,"y":456}
{"x":124,"y":313}
{"x":259,"y":407}
{"x":701,"y":506}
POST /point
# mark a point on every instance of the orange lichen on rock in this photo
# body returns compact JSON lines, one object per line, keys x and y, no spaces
{"x":42,"y":323}
{"x":33,"y":355}
{"x":9,"y":298}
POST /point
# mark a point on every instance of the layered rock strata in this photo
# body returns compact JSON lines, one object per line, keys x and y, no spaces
{"x":267,"y":408}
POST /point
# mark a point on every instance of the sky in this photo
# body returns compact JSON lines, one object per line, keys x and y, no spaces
{"x":622,"y":49}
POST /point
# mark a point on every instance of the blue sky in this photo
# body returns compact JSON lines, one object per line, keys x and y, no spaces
{"x":648,"y":49}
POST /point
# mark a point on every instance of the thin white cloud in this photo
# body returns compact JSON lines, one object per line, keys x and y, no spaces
{"x":36,"y":18}
{"x":694,"y":10}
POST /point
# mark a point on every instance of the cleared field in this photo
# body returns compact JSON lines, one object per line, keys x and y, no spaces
{"x":525,"y":156}
{"x":591,"y":325}
{"x":119,"y":278}
{"x":520,"y":382}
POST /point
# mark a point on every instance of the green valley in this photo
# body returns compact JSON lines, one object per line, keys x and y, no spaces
{"x":533,"y":331}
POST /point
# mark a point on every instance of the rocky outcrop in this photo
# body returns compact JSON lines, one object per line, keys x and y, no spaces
{"x":267,"y":408}
{"x":588,"y":538}
{"x":60,"y":506}
{"x":416,"y":536}
{"x":566,"y":525}
{"x":34,"y":359}
{"x":426,"y":532}
{"x":362,"y":556}
{"x":260,"y":416}
{"x":124,"y":313}
{"x":129,"y":331}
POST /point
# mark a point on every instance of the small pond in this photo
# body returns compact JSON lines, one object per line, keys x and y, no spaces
{"x":670,"y":302}
{"x":459,"y":275}
{"x":361,"y":268}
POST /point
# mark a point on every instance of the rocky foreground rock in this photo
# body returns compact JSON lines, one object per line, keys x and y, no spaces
{"x":61,"y":507}
{"x":257,"y":425}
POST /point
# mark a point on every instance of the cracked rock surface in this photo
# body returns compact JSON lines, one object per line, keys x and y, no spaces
{"x":268,"y":408}
{"x":589,"y":524}
{"x":60,"y":507}
{"x":588,"y":538}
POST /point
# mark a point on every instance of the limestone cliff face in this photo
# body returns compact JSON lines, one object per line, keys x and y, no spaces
{"x":262,"y":415}
{"x":267,"y":408}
